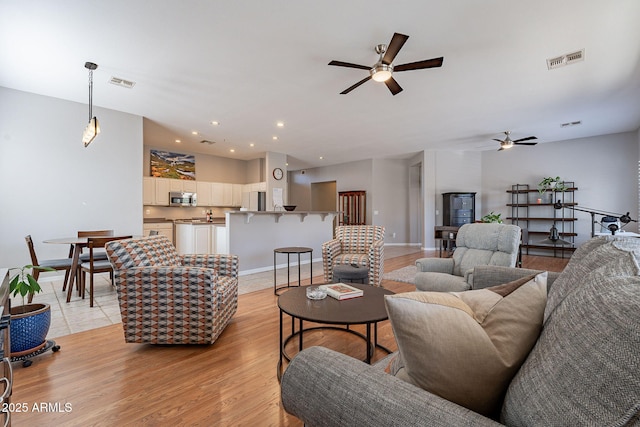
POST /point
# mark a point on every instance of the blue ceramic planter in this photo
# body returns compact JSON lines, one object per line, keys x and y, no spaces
{"x":29,"y":327}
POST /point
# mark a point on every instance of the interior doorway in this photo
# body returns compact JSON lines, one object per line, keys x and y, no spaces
{"x":416,"y":205}
{"x":324,"y":196}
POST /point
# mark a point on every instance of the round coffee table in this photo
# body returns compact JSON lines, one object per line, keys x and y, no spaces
{"x":365,"y":310}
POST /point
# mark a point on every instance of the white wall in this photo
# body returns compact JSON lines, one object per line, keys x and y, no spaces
{"x":51,"y":186}
{"x":348,"y":176}
{"x":390,"y":199}
{"x":604,"y":168}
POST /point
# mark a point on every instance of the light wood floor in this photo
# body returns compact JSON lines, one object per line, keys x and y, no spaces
{"x":230,"y":383}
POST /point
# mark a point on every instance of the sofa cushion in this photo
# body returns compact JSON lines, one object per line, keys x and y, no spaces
{"x":584,"y":368}
{"x":467,"y":346}
{"x":607,"y":255}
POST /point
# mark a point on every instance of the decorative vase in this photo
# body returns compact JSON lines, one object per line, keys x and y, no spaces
{"x":29,"y":328}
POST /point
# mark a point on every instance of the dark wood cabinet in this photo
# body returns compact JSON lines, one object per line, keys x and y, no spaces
{"x":458,"y":208}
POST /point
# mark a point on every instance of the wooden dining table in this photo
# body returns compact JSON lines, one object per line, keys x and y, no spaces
{"x":77,"y":244}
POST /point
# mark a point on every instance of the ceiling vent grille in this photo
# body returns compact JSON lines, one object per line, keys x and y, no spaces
{"x":122,"y":82}
{"x":566,"y":59}
{"x":568,"y":124}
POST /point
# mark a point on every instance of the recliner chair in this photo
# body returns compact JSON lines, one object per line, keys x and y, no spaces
{"x":476,"y":244}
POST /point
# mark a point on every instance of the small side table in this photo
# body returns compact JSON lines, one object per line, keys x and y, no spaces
{"x":349,"y":273}
{"x":291,"y":250}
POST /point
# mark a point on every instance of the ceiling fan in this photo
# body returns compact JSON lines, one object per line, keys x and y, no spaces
{"x":382,"y":71}
{"x":508,"y":142}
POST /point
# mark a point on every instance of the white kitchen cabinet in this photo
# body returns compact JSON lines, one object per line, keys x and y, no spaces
{"x":219,"y":234}
{"x":201,"y":239}
{"x":194,"y":238}
{"x":227,"y":194}
{"x":175,"y":185}
{"x":217,"y":194}
{"x":162,"y":191}
{"x":189,"y":186}
{"x":236,"y":196}
{"x":203,"y":189}
{"x":163,"y":228}
{"x":148,"y":191}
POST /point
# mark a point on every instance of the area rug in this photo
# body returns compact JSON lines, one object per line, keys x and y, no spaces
{"x":405,"y":274}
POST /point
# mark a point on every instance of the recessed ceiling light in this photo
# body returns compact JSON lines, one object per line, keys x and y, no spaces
{"x":275,"y":138}
{"x":232,"y":150}
{"x":321,"y":158}
{"x":178,"y":141}
{"x":215,"y":123}
{"x":280,"y":124}
{"x":252,"y":145}
{"x":195,"y":132}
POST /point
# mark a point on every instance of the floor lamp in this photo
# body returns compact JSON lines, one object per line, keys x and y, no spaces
{"x":623,"y":218}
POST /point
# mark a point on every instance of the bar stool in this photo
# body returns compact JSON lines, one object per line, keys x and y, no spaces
{"x":291,"y":250}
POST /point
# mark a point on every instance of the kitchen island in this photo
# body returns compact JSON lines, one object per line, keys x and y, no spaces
{"x":253,"y":235}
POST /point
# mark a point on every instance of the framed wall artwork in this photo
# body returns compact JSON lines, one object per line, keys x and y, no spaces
{"x":165,"y":164}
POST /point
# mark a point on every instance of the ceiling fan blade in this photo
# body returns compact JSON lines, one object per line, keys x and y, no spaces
{"x":525,"y":139}
{"x":393,"y":86}
{"x":524,"y":143}
{"x":419,"y":65}
{"x":397,"y":41}
{"x":346,"y":91}
{"x":348,"y":64}
{"x":500,"y":149}
{"x":497,"y":140}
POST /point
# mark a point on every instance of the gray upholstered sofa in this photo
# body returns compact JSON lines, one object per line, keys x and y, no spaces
{"x":584,"y":368}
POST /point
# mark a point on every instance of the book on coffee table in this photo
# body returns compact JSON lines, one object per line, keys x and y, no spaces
{"x":342,"y":291}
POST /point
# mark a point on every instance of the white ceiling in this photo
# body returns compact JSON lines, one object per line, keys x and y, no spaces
{"x":249,"y":64}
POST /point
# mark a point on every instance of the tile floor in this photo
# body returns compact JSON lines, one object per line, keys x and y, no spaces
{"x":77,"y":316}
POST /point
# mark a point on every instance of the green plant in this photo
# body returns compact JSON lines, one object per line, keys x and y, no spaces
{"x":492,"y":217}
{"x":23,"y":283}
{"x":548,"y":182}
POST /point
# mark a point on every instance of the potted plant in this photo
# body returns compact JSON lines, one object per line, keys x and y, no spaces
{"x":492,"y":217}
{"x":29,"y":322}
{"x":551,"y":183}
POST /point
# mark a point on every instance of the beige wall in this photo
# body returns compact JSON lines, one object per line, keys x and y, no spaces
{"x":214,"y":168}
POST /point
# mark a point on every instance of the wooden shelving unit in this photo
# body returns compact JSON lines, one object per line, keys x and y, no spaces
{"x":535,"y":215}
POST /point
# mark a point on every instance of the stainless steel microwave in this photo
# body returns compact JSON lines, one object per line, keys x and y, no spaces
{"x":178,"y":198}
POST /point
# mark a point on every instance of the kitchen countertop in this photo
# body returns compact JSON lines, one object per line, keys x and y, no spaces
{"x":155,"y":220}
{"x":216,"y":221}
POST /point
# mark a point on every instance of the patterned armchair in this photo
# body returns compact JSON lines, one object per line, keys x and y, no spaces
{"x":355,"y":244}
{"x":166,"y":298}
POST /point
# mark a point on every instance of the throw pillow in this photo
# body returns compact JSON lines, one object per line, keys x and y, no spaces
{"x":467,"y":346}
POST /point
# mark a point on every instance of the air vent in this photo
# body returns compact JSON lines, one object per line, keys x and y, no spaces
{"x":206,"y":141}
{"x":122,"y":82}
{"x":567,"y":59}
{"x":568,"y":124}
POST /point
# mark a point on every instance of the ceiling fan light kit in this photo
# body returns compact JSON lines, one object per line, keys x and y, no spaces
{"x":507,"y":142}
{"x":382,"y":71}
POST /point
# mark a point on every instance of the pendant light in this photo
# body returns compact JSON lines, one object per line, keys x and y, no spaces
{"x":93,"y":128}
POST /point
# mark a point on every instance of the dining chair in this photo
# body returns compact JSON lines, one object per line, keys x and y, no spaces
{"x":100,"y":254}
{"x":56,"y":264}
{"x":94,"y":265}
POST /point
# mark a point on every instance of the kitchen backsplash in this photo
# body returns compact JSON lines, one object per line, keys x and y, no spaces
{"x":182,"y":212}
